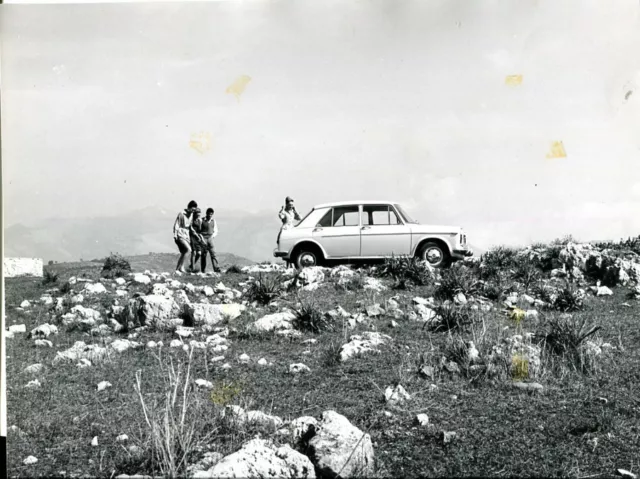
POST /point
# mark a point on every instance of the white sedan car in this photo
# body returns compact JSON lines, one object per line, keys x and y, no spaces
{"x":361,"y":231}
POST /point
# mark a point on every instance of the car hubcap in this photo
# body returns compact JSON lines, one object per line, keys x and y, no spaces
{"x":307,"y":259}
{"x":433,"y":255}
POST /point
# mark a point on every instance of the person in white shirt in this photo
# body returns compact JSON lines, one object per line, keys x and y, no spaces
{"x":181,"y":234}
{"x":287,"y":215}
{"x":208,"y":231}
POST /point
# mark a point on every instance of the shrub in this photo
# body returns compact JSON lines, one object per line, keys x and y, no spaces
{"x":186,"y":314}
{"x":265,"y":289}
{"x":526,"y":272}
{"x":456,"y":350}
{"x":544,"y":292}
{"x":520,"y":367}
{"x":354,"y":283}
{"x":175,"y":427}
{"x":65,"y":288}
{"x":115,"y":266}
{"x":456,"y":279}
{"x":50,"y":277}
{"x":124,"y":317}
{"x":565,"y":240}
{"x":564,"y":334}
{"x":493,"y":290}
{"x":406,"y":268}
{"x":496,"y":260}
{"x":225,"y":392}
{"x":449,"y":317}
{"x":569,"y":298}
{"x":234,"y":268}
{"x":309,"y":318}
{"x":331,"y":354}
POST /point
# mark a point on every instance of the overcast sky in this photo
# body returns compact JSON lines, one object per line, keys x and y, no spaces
{"x":401,"y":100}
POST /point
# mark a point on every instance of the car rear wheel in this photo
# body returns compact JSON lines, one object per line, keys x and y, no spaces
{"x":305,"y":258}
{"x":434,"y":254}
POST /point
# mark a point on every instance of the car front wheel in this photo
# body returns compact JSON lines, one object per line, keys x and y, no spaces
{"x":434,"y":254}
{"x":306,"y":258}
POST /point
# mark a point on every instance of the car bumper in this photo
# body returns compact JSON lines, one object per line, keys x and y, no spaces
{"x":462,"y":253}
{"x":280,"y":254}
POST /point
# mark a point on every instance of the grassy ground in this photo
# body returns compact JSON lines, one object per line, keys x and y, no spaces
{"x":501,"y":431}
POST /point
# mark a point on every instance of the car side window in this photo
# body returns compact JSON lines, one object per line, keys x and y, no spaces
{"x":326,"y":220}
{"x":346,"y":216}
{"x":380,"y":215}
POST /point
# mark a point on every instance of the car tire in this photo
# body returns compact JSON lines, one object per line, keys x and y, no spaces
{"x":305,"y":258}
{"x":435,"y":254}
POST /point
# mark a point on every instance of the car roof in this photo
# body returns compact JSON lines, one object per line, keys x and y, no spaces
{"x":355,"y":202}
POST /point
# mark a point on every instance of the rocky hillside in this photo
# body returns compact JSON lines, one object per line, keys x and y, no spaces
{"x":521,"y":362}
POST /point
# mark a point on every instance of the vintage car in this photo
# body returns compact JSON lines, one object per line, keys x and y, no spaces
{"x":365,"y":231}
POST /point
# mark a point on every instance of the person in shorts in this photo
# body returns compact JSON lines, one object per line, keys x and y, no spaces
{"x":209,"y":230}
{"x":288,"y":215}
{"x":196,"y":239}
{"x":181,"y":234}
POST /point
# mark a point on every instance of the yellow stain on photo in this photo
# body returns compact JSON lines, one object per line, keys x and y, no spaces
{"x":200,"y":142}
{"x":238,"y":86}
{"x":557,"y":150}
{"x":513,"y":80}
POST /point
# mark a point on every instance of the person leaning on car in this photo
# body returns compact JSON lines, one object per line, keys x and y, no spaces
{"x":287,"y":215}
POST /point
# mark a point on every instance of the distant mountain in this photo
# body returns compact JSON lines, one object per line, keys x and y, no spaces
{"x":140,"y":232}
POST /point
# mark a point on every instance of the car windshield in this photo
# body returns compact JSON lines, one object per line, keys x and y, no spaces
{"x":405,"y":215}
{"x":304,"y":217}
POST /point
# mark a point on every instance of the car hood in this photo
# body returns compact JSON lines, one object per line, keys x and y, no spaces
{"x":438,"y":229}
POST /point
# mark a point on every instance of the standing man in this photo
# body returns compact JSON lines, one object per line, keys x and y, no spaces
{"x":196,"y":239}
{"x":287,"y":215}
{"x":209,"y":230}
{"x":181,"y":232}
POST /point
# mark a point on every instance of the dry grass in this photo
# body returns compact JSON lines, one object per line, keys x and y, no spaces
{"x":174,"y":423}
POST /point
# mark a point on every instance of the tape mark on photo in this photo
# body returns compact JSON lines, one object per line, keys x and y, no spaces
{"x":201,"y":142}
{"x":238,"y":86}
{"x":557,"y":150}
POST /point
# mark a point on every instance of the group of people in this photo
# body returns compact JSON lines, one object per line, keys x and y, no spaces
{"x":194,"y":234}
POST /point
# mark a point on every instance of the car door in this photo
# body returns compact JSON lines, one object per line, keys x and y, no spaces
{"x":338,"y":232}
{"x":383,"y":232}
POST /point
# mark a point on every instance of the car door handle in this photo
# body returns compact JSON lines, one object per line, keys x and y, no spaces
{"x":316,"y":230}
{"x":366,"y":227}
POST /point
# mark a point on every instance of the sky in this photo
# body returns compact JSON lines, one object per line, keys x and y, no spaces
{"x":104,"y":107}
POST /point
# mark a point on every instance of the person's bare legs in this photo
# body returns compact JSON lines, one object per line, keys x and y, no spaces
{"x":185,"y":249}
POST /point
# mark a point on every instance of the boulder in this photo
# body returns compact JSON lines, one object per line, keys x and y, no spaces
{"x":340,"y":448}
{"x":359,"y":344}
{"x":311,"y":275}
{"x":298,"y":368}
{"x":374,"y":284}
{"x":259,"y":458}
{"x":81,"y":351}
{"x":161,"y":290}
{"x":94,"y":288}
{"x":154,"y":310}
{"x":271,"y":322}
{"x":396,"y":395}
{"x":212,"y":314}
{"x":141,"y":278}
{"x":374,"y":310}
